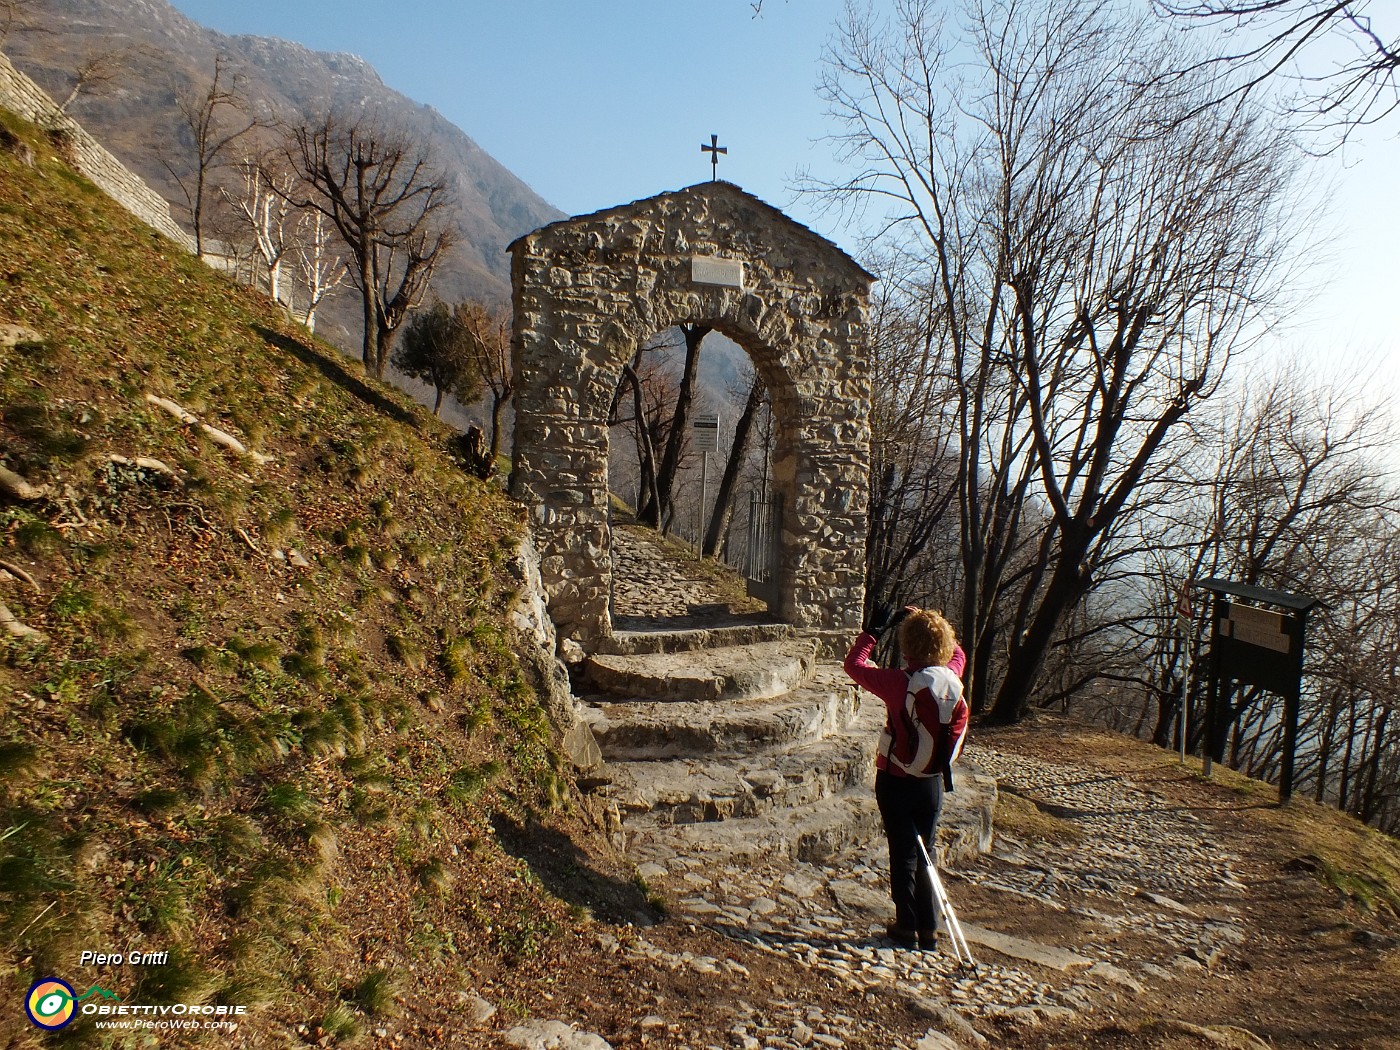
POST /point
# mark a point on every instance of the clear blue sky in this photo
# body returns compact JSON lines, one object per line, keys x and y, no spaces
{"x":599,"y":102}
{"x":591,"y":102}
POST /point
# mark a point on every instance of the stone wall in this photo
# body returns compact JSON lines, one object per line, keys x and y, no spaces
{"x":588,"y":290}
{"x":537,"y":645}
{"x":23,"y":97}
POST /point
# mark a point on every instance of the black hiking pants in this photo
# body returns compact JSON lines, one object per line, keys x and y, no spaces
{"x":909,"y":806}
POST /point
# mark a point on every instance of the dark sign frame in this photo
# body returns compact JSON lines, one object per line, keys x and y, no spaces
{"x":1256,"y":646}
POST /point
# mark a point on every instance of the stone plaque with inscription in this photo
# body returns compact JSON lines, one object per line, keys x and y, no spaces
{"x":710,"y":269}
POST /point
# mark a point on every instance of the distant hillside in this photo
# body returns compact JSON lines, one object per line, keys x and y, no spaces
{"x":136,"y":117}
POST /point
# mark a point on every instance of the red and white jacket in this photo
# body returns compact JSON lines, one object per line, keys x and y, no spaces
{"x":925,"y":713}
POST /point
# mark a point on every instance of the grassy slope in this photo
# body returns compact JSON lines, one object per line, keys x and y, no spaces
{"x":294,"y":780}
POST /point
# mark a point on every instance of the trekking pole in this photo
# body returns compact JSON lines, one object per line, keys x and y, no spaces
{"x":945,"y":906}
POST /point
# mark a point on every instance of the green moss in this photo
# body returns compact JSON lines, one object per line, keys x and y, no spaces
{"x":338,"y":1024}
{"x":408,"y":651}
{"x":435,"y":877}
{"x":456,"y":657}
{"x":264,"y":654}
{"x":279,"y":525}
{"x":469,"y":781}
{"x":208,"y":742}
{"x":36,"y":536}
{"x":19,"y":763}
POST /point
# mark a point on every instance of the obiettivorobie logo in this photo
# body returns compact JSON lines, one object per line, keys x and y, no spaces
{"x":52,"y":1004}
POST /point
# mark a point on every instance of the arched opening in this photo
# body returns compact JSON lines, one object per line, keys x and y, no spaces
{"x":691,"y":445}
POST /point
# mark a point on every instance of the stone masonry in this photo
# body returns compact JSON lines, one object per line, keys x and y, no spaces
{"x":27,"y":99}
{"x":589,"y":289}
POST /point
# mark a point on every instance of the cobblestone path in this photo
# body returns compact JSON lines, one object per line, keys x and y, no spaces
{"x":1144,"y":880}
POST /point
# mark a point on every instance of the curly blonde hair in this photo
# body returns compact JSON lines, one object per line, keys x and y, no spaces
{"x":926,"y":639}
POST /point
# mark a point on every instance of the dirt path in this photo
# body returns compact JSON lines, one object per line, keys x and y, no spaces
{"x":1260,"y":943}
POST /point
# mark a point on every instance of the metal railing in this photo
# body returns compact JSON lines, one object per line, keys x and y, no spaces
{"x":764,"y":551}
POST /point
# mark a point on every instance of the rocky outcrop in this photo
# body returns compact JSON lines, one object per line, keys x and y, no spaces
{"x":537,"y":647}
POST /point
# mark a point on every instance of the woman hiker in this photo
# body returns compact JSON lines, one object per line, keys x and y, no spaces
{"x":925,"y":722}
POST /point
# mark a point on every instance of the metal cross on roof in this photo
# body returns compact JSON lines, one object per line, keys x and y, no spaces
{"x":714,"y":149}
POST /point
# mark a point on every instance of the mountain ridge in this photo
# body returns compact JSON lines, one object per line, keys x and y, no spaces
{"x":136,"y":116}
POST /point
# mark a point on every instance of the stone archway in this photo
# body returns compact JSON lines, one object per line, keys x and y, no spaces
{"x":588,"y":289}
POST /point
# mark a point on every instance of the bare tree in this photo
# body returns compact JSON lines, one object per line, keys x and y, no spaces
{"x":1090,"y":246}
{"x":1282,"y":489}
{"x":912,"y":539}
{"x":658,"y":513}
{"x":489,"y":332}
{"x":1300,"y":505}
{"x":216,"y":116}
{"x":1272,"y":40}
{"x":652,"y":395}
{"x":1349,"y":752}
{"x":92,"y":71}
{"x":734,"y":463}
{"x":321,"y":272}
{"x":101,"y":67}
{"x":389,"y":205}
{"x":263,"y":211}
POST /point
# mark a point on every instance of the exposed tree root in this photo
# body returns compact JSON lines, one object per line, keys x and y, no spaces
{"x":219,"y":437}
{"x":248,"y":540}
{"x":19,"y":574}
{"x":18,"y":488}
{"x":18,"y":629}
{"x":145,"y":463}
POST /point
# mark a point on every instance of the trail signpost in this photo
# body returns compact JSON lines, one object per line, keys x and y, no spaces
{"x":1257,"y":638}
{"x":706,"y":438}
{"x":1183,"y":615}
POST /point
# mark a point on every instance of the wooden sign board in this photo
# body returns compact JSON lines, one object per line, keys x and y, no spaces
{"x":1259,"y":627}
{"x":1254,"y":646}
{"x":1259,"y":646}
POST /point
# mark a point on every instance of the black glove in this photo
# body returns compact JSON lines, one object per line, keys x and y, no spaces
{"x":882,"y":618}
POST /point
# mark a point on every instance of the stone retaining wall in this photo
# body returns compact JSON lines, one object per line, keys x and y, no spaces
{"x":26,"y":99}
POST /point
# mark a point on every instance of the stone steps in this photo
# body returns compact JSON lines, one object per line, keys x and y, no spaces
{"x":734,"y":743}
{"x":756,"y":671}
{"x":818,"y":830}
{"x":643,"y":643}
{"x":653,"y":731}
{"x":811,"y":833}
{"x":690,"y":791}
